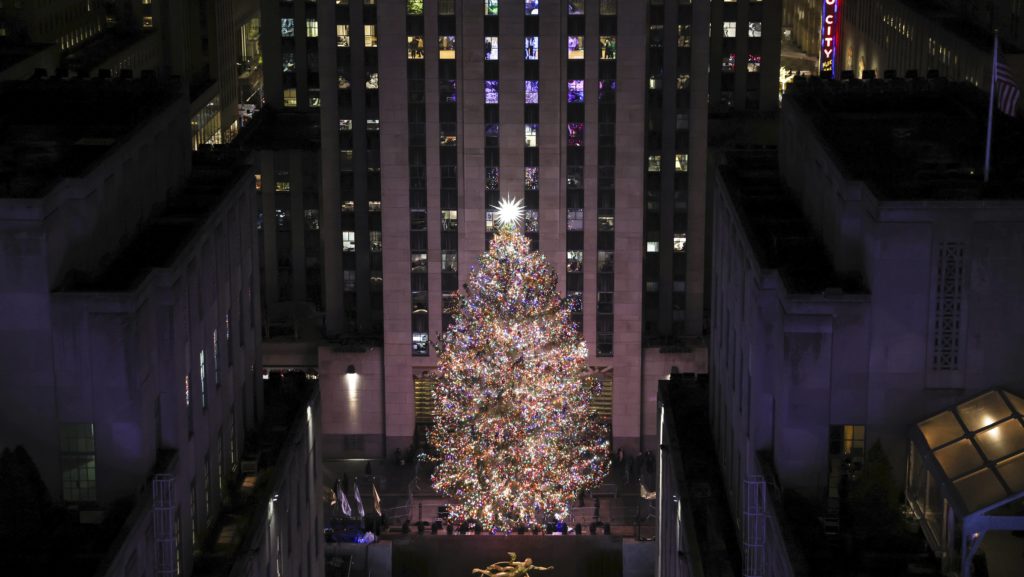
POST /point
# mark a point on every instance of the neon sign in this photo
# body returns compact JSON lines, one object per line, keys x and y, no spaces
{"x":828,"y":57}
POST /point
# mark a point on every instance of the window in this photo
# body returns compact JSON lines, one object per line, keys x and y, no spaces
{"x":449,"y":220}
{"x":683,"y":37}
{"x":419,"y":344}
{"x":446,"y":47}
{"x":608,"y":50}
{"x":575,"y":6}
{"x":606,"y":90}
{"x":491,"y":91}
{"x":682,"y":162}
{"x":575,"y":47}
{"x":449,"y":261}
{"x":287,"y":27}
{"x":372,"y":83}
{"x":344,"y":84}
{"x":419,"y":262}
{"x":216,"y":359}
{"x":532,"y":7}
{"x":414,"y":7}
{"x":652,"y":246}
{"x":753,"y":62}
{"x":729,"y":29}
{"x":847,"y":441}
{"x":312,"y":218}
{"x":679,"y":242}
{"x":575,"y":91}
{"x":491,"y":48}
{"x":574,"y":219}
{"x":312,"y":28}
{"x":343,"y":38}
{"x":530,"y":135}
{"x":348,"y":240}
{"x":532,"y":47}
{"x":754,"y":29}
{"x":682,"y":82}
{"x":531,"y":178}
{"x":415,"y":47}
{"x":608,"y":7}
{"x":532,"y":93}
{"x":490,"y":7}
{"x":575,"y":130}
{"x":370,"y":35}
{"x":147,"y":21}
{"x":78,"y":462}
{"x":202,"y":378}
{"x":574,"y":261}
{"x":729,"y":63}
{"x":605,"y":261}
{"x":287,"y":61}
{"x":654,"y":163}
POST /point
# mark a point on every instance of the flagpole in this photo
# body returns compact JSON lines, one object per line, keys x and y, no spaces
{"x":991,"y":103}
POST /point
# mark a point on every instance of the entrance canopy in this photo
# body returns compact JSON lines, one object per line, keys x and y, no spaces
{"x":966,"y":472}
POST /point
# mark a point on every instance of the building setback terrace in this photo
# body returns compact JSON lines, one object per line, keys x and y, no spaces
{"x":58,"y":128}
{"x":915,"y":139}
{"x":782,"y":237}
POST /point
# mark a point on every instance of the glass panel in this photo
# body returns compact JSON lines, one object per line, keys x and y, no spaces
{"x":1002,"y":440}
{"x":958,"y":458}
{"x":1012,"y":471}
{"x":1018,"y":403}
{"x":575,"y":48}
{"x":980,"y":489}
{"x":941,"y":429}
{"x":982,"y":411}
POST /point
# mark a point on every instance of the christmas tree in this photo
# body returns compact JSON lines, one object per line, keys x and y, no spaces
{"x":515,"y":436}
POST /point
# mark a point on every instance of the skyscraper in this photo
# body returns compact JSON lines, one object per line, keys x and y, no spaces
{"x":428,"y":113}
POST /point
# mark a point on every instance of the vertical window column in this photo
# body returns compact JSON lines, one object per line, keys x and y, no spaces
{"x":606,"y":179}
{"x":492,"y":120}
{"x":417,"y":179}
{"x":574,"y":160}
{"x":531,"y":128}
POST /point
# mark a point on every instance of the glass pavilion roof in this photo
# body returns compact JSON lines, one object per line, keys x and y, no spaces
{"x":979,"y":446}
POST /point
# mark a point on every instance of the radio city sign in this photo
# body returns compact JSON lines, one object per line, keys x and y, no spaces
{"x":828,"y":59}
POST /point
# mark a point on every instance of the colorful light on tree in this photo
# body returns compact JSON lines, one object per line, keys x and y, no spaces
{"x":515,"y":435}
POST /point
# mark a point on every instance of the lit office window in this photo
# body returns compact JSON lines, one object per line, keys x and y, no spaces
{"x":532,"y":7}
{"x":608,"y":7}
{"x":530,"y":135}
{"x":574,"y":261}
{"x":574,"y":92}
{"x":449,"y":261}
{"x":415,"y":47}
{"x":418,"y":262}
{"x":491,"y":91}
{"x":682,"y":162}
{"x":491,"y":48}
{"x":608,"y":49}
{"x":683,"y":38}
{"x":532,"y":47}
{"x":343,"y":38}
{"x":753,"y":62}
{"x":446,"y":47}
{"x":287,"y":27}
{"x":287,"y":61}
{"x":729,"y":63}
{"x":449,"y":220}
{"x":679,"y":242}
{"x":754,"y":29}
{"x":348,"y":240}
{"x":652,"y":246}
{"x":531,"y":178}
{"x":419,"y":344}
{"x":414,"y":7}
{"x":729,"y":29}
{"x":532,"y":93}
{"x":576,"y":6}
{"x":574,"y":219}
{"x":605,"y":261}
{"x":490,"y":7}
{"x":372,"y":81}
{"x":575,"y":47}
{"x":312,"y":28}
{"x":370,"y":35}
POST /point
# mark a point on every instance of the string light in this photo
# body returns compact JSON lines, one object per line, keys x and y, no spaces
{"x":515,"y":433}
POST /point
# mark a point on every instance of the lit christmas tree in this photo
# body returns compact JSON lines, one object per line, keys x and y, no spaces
{"x":515,"y":435}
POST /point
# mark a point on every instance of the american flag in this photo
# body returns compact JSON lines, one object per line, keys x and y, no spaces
{"x":1007,"y":92}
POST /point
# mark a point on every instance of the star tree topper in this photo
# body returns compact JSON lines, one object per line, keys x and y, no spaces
{"x":510,"y":212}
